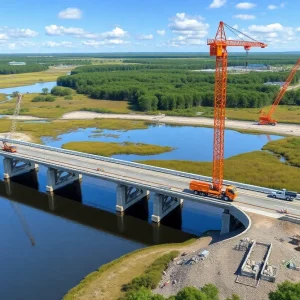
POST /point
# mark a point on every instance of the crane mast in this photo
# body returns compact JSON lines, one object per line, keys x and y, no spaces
{"x":266,"y":119}
{"x":6,"y":146}
{"x":218,"y":48}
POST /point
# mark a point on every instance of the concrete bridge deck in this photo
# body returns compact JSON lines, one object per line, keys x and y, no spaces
{"x":134,"y":181}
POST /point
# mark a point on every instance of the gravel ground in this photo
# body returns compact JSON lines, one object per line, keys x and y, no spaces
{"x":291,"y":129}
{"x":223,"y":263}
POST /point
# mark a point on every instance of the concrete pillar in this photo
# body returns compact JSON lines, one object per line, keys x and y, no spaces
{"x":57,"y":179}
{"x":51,"y":202}
{"x":162,"y":205}
{"x":14,"y":167}
{"x":7,"y":187}
{"x":121,"y":222}
{"x":127,"y":196}
{"x":225,"y":222}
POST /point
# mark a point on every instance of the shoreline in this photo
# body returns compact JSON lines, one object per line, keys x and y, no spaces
{"x":283,"y":129}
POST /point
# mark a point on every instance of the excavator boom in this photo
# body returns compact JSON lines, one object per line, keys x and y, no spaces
{"x":267,"y":119}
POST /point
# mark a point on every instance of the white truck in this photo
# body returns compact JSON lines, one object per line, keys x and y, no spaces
{"x":284,"y":194}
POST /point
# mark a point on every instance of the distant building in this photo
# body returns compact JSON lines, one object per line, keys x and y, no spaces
{"x":275,"y":83}
{"x":17,"y":63}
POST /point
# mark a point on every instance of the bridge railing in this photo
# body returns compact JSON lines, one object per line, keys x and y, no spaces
{"x":142,"y":166}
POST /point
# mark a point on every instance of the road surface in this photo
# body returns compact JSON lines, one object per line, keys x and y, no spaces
{"x":249,"y":201}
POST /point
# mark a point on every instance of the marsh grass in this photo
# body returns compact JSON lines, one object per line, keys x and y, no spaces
{"x":289,"y":148}
{"x":108,"y":149}
{"x":257,"y":168}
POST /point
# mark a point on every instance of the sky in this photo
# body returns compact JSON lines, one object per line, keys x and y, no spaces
{"x":77,"y":26}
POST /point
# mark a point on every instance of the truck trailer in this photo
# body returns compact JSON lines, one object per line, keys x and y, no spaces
{"x":206,"y":189}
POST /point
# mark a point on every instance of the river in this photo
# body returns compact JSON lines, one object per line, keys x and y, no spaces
{"x":77,"y":230}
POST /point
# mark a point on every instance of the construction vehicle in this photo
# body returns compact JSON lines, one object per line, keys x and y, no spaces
{"x":284,"y":194}
{"x":218,"y":48}
{"x":7,"y":147}
{"x":267,"y":118}
{"x":206,"y":189}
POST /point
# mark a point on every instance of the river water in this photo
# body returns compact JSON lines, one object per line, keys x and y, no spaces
{"x":77,"y":230}
{"x":33,"y":88}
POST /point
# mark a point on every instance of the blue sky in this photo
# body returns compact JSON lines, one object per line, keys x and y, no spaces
{"x":50,"y":26}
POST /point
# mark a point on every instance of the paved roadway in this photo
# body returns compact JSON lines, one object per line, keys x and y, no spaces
{"x":248,"y":200}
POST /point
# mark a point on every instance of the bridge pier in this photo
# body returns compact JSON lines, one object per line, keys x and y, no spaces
{"x":127,"y":196}
{"x":162,"y":205}
{"x":59,"y":178}
{"x":14,"y":167}
{"x":225,"y":222}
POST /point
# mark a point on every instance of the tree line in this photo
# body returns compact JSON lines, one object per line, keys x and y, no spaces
{"x":174,"y":89}
{"x":7,"y":69}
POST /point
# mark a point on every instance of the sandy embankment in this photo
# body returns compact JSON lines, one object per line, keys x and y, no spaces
{"x":281,"y":129}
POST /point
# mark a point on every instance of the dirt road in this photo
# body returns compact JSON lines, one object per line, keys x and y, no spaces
{"x":281,"y":129}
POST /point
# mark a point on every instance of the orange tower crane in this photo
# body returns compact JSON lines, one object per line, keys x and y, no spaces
{"x":266,"y":119}
{"x":218,"y":48}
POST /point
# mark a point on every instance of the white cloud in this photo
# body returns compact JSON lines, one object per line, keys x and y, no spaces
{"x":17,"y":32}
{"x":3,"y":36}
{"x":51,"y":44}
{"x":245,"y":5}
{"x":60,"y":30}
{"x":276,"y":34}
{"x":161,"y":32}
{"x":115,"y":33}
{"x":94,"y":43}
{"x":244,"y":17}
{"x":189,"y":30}
{"x":55,"y":30}
{"x":266,"y":28}
{"x":145,"y":37}
{"x":272,"y":7}
{"x":70,"y":13}
{"x":217,"y":3}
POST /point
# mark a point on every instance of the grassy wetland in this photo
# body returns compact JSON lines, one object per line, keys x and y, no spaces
{"x":109,"y":149}
{"x":258,"y":168}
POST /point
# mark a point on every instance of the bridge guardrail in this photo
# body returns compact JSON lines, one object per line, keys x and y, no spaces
{"x":145,"y":167}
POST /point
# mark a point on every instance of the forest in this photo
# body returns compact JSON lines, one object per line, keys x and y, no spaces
{"x":7,"y":69}
{"x":151,"y":87}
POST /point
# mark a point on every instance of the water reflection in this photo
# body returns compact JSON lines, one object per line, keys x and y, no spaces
{"x":127,"y":226}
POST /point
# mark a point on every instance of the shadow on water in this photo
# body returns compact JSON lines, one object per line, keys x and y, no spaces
{"x":132,"y":226}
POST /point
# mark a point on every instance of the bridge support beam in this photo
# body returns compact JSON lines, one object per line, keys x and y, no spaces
{"x":162,"y":205}
{"x":58,"y":178}
{"x":225,"y":222}
{"x":15,"y":167}
{"x":127,"y":196}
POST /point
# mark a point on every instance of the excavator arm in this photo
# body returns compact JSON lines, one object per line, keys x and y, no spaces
{"x":267,"y":119}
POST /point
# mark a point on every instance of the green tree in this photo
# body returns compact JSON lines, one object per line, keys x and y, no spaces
{"x":191,"y":293}
{"x":286,"y":291}
{"x":45,"y":91}
{"x":142,"y":294}
{"x":211,"y":291}
{"x":234,"y":297}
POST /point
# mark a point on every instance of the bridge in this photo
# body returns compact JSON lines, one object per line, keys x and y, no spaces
{"x":135,"y":181}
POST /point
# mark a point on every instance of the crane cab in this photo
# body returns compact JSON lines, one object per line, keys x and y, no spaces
{"x":230,"y":192}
